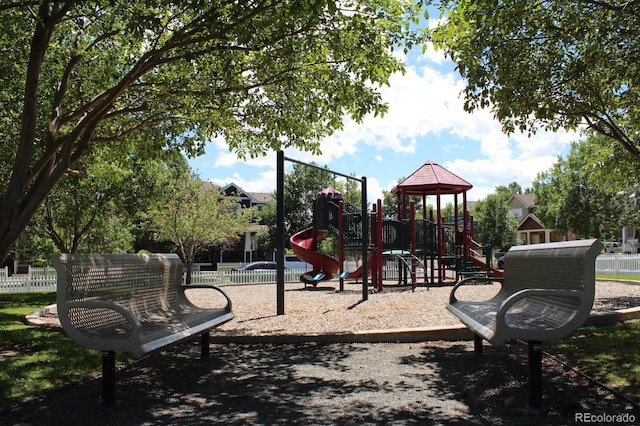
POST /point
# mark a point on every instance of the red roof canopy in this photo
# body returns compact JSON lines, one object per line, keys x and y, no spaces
{"x":431,"y":179}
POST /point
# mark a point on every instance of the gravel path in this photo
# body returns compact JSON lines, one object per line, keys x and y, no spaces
{"x":429,"y":383}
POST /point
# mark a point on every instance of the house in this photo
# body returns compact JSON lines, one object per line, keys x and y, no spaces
{"x":246,"y":250}
{"x":530,"y":228}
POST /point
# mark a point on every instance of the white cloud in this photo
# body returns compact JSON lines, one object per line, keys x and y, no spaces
{"x":426,"y":120}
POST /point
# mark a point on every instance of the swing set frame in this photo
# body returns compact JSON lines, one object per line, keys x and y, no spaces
{"x":280,"y":237}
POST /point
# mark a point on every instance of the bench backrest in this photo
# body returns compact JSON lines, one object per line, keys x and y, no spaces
{"x":139,"y":282}
{"x":567,"y":265}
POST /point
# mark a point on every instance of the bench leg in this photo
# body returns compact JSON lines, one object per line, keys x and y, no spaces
{"x":204,"y":345}
{"x":109,"y":378}
{"x":477,"y":344}
{"x":535,"y":377}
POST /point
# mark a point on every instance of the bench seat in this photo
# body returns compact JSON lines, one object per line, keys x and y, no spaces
{"x":110,"y":326}
{"x":526,"y":315}
{"x":546,"y":293}
{"x":129,"y":302}
{"x":134,"y":303}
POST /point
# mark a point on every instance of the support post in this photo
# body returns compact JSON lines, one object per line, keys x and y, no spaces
{"x":477,"y":344}
{"x":535,"y":377}
{"x":204,"y":345}
{"x":109,"y":378}
{"x":280,"y":234}
{"x":341,"y":242}
{"x":365,"y":241}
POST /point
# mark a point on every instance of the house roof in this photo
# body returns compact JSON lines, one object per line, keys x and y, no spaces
{"x":531,"y":222}
{"x":254,"y":197}
{"x":430,"y":179}
{"x":526,"y":199}
{"x":261,"y":197}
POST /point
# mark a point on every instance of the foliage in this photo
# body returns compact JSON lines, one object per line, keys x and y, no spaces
{"x":266,"y":237}
{"x":97,"y":206}
{"x":301,"y":187}
{"x":496,"y":225}
{"x":548,"y":64}
{"x":591,"y":193}
{"x":389,"y":205}
{"x":351,"y":191}
{"x":199,"y":215}
{"x":166,"y":74}
{"x":33,"y":249}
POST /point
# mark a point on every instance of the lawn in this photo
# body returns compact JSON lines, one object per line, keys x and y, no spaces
{"x":32,"y":359}
{"x":605,"y":277}
{"x":607,"y":353}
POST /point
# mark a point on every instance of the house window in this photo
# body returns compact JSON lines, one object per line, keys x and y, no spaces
{"x":523,"y":237}
{"x":517,"y":213}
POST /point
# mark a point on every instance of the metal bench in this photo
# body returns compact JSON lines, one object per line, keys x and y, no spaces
{"x":547,"y":292}
{"x":133,"y":303}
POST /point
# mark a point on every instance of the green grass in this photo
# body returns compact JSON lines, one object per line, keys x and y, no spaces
{"x":608,"y":354}
{"x":32,"y":359}
{"x":617,"y":277}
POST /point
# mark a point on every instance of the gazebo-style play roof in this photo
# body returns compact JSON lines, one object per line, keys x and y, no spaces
{"x":433,"y":179}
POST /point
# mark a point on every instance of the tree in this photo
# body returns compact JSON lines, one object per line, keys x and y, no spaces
{"x":549,"y":64}
{"x":197,"y":216}
{"x":266,"y":237}
{"x":496,"y":225}
{"x":161,"y":73}
{"x":389,"y":205}
{"x":301,"y":187}
{"x":591,"y":193}
{"x":99,"y":207}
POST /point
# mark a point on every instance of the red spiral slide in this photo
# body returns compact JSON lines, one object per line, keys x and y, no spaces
{"x":325,"y":267}
{"x":304,"y":245}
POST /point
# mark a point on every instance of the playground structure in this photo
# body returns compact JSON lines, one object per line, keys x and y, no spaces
{"x":390,"y":239}
{"x":410,"y":241}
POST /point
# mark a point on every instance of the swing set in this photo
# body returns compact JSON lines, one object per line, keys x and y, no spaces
{"x":307,"y":238}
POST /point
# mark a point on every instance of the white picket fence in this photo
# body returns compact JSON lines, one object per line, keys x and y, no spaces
{"x":44,"y":279}
{"x":38,"y":279}
{"x":242,"y":277}
{"x":618,"y":264}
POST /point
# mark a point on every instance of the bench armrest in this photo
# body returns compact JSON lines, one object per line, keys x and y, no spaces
{"x":77,"y":333}
{"x":531,"y":292}
{"x":189,"y":286}
{"x":466,"y":281}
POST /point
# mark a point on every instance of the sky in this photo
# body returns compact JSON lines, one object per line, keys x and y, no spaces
{"x":425,"y":121}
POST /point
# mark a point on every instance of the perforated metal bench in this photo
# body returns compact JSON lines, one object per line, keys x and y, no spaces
{"x":133,"y":303}
{"x":547,"y":292}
